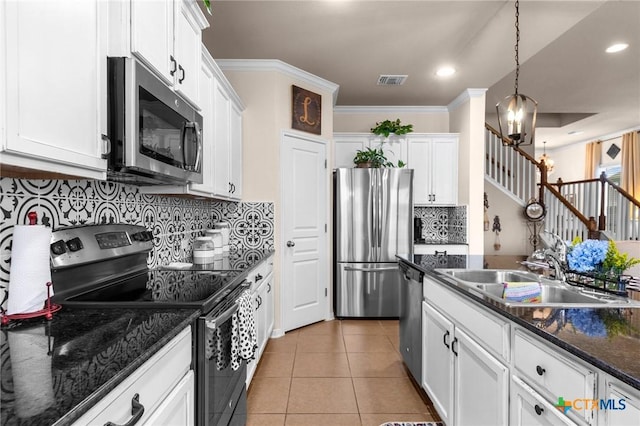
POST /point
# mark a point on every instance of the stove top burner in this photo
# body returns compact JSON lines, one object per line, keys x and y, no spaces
{"x":161,"y":288}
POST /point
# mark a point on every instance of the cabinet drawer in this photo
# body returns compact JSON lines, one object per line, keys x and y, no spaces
{"x":530,"y":409}
{"x":489,"y":330}
{"x":447,"y":249}
{"x":258,"y":274}
{"x":553,"y":374}
{"x":152,"y":381}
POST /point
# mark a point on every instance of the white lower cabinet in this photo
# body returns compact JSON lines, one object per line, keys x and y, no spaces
{"x":159,"y":392}
{"x":177,"y":408}
{"x":623,"y":404}
{"x":437,"y":361}
{"x":262,"y":301}
{"x":528,"y":408}
{"x":467,"y":384}
{"x":553,"y":375}
{"x":441,"y":249}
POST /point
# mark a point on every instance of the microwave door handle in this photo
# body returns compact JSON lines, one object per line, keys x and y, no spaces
{"x":198,"y":133}
{"x":195,"y":128}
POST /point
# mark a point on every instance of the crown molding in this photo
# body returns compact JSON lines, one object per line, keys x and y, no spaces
{"x":464,"y":97}
{"x":279,"y":66}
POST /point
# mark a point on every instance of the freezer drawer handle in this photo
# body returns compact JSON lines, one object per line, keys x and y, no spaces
{"x":349,"y":268}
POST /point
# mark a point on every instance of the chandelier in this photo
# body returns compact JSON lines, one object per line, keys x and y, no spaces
{"x":548,"y":162}
{"x":517,"y":112}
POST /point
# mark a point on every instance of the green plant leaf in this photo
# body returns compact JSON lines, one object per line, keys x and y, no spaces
{"x":207,"y":4}
{"x":386,"y":127}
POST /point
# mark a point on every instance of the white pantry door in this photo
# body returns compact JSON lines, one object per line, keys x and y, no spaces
{"x":303,"y":239}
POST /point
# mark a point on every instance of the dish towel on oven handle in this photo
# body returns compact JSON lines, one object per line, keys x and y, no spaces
{"x":245,"y":339}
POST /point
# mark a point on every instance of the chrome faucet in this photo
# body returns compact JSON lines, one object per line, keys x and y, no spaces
{"x":554,"y":254}
{"x":558,"y":264}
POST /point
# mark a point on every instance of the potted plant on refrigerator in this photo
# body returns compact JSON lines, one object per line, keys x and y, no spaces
{"x":374,"y":158}
{"x":370,"y":158}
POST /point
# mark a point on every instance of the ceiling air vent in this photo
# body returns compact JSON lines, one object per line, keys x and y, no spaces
{"x":391,"y":80}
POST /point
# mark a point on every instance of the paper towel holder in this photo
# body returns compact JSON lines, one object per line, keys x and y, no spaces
{"x":47,"y":311}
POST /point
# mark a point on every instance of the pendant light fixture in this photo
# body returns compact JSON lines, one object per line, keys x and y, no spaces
{"x":517,"y":113}
{"x":547,"y":160}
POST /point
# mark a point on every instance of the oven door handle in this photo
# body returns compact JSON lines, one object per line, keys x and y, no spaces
{"x":213,"y":322}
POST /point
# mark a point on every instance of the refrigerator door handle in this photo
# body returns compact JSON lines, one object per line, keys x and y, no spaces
{"x":350,"y":268}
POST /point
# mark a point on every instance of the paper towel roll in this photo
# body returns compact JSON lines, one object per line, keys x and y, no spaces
{"x":30,"y":269}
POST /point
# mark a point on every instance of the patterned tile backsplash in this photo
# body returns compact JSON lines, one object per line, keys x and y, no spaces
{"x":443,"y":224}
{"x":175,"y":221}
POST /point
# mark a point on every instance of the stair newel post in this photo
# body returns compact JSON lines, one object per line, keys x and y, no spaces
{"x":602,"y":219}
{"x":593,"y":233}
{"x":543,"y":180}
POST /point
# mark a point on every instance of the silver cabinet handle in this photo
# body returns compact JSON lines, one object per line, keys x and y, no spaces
{"x":290,"y":244}
{"x":350,"y":268}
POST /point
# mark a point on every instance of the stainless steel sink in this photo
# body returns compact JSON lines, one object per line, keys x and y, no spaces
{"x":489,"y":283}
{"x":488,"y":276}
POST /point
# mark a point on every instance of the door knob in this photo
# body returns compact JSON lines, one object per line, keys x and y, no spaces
{"x":290,"y":244}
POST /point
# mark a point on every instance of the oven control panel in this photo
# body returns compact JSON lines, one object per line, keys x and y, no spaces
{"x":77,"y":245}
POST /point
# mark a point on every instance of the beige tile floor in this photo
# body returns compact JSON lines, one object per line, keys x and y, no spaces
{"x":342,"y":372}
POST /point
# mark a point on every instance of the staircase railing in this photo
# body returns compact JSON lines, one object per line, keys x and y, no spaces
{"x":617,"y":211}
{"x":509,"y":167}
{"x":566,"y":220}
{"x":515,"y":171}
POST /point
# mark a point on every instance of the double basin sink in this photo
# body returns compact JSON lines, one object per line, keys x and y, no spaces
{"x":490,"y":283}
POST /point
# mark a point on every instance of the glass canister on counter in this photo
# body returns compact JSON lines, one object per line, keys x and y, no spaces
{"x":226,"y":231}
{"x":217,"y":237}
{"x":203,"y":250}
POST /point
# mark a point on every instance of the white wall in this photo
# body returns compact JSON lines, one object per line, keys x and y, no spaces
{"x":514,"y":238}
{"x":265,"y":90}
{"x":362,"y":119}
{"x":466,"y":117}
{"x":569,"y":160}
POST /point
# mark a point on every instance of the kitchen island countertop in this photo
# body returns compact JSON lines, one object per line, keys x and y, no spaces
{"x":607,"y":338}
{"x":54,"y":371}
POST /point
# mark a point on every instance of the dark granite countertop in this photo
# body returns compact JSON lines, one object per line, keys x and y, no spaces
{"x":241,"y":260}
{"x":608,"y":339}
{"x":54,"y":371}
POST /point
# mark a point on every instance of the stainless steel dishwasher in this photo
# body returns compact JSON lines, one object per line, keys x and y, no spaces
{"x":411,"y":319}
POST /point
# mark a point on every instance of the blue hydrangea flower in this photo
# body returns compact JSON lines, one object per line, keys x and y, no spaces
{"x":585,"y":257}
{"x":587,"y":321}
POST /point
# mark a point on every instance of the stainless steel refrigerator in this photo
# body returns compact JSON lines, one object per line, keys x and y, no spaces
{"x":373,"y":217}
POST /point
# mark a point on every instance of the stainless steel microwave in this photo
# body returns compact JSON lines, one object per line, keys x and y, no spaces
{"x":154,"y":134}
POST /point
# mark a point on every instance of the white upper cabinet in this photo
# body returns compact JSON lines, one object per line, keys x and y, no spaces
{"x":434,"y":159}
{"x":221,"y":111}
{"x":166,"y":35}
{"x":53,"y":86}
{"x":235,"y":175}
{"x":345,"y":147}
{"x":221,"y":139}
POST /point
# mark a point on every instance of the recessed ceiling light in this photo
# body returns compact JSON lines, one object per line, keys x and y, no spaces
{"x":445,"y":72}
{"x":618,"y":47}
{"x":575,"y":132}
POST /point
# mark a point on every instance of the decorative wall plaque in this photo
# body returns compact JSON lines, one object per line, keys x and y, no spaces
{"x":306,"y":110}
